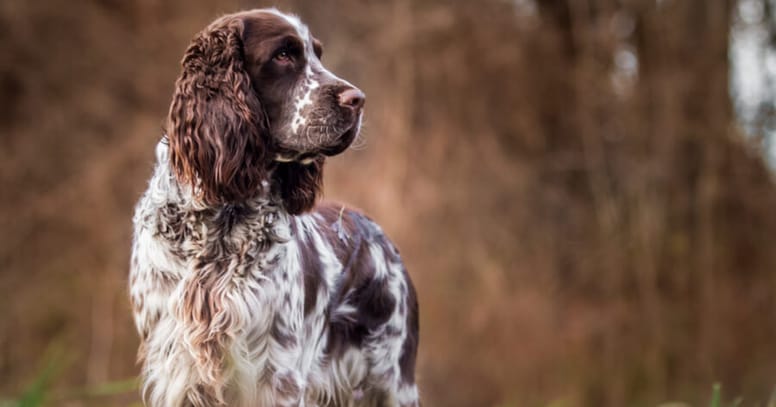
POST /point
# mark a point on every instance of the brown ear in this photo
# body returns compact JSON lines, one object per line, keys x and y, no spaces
{"x":299,"y":184}
{"x":215,"y":125}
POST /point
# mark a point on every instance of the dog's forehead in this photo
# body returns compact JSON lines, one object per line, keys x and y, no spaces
{"x":294,"y":21}
{"x":287,"y":21}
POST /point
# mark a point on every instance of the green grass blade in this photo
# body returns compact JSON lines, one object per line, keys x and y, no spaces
{"x":35,"y":395}
{"x":716,"y":395}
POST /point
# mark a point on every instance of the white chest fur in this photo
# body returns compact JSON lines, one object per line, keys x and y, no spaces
{"x":218,"y":299}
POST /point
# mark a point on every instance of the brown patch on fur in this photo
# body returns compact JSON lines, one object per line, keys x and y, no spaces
{"x":298,"y":185}
{"x":312,"y":269}
{"x":287,"y":387}
{"x":284,"y":339}
{"x":409,"y":349}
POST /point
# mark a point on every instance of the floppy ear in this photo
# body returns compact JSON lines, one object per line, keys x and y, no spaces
{"x":299,"y":184}
{"x":216,"y":125}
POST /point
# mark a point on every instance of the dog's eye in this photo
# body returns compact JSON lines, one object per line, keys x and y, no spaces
{"x":283,"y":56}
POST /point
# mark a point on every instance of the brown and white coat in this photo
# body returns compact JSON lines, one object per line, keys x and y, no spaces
{"x":244,"y":292}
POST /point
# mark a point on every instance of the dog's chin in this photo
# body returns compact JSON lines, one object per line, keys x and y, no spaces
{"x":287,"y":155}
{"x":343,"y":142}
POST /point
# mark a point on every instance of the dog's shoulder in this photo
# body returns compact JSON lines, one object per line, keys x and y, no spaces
{"x":349,"y":230}
{"x":373,"y":293}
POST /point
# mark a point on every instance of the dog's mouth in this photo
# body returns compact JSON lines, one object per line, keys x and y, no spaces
{"x":307,"y":158}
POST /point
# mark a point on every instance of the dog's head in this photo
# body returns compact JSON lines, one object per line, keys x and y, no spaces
{"x":254,"y":103}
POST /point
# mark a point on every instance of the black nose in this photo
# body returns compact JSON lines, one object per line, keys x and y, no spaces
{"x":352,"y":98}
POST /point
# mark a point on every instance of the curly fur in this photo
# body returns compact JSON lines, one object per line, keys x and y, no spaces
{"x":215,"y":124}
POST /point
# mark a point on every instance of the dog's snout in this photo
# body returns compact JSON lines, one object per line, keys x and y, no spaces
{"x":352,"y":98}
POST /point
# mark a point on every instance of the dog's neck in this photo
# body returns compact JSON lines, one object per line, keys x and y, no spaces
{"x":186,"y":218}
{"x":172,"y":191}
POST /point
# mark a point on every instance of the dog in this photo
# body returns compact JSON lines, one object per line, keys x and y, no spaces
{"x":243,"y":290}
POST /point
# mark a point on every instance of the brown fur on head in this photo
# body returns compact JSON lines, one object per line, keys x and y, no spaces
{"x":254,"y":103}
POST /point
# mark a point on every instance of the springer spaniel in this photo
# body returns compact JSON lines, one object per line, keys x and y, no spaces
{"x":244,"y":292}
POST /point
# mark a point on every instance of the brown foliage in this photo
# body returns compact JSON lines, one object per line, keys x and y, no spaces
{"x":575,"y":232}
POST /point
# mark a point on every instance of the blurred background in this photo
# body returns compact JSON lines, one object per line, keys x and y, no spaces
{"x":583,"y":190}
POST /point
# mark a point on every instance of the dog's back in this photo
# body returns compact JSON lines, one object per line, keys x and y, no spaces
{"x":355,"y":281}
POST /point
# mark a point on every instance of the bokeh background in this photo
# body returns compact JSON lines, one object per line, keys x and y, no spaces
{"x":583,"y":190}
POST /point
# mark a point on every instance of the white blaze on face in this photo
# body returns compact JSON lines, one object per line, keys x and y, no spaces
{"x":313,"y":73}
{"x":309,"y":84}
{"x":304,"y":100}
